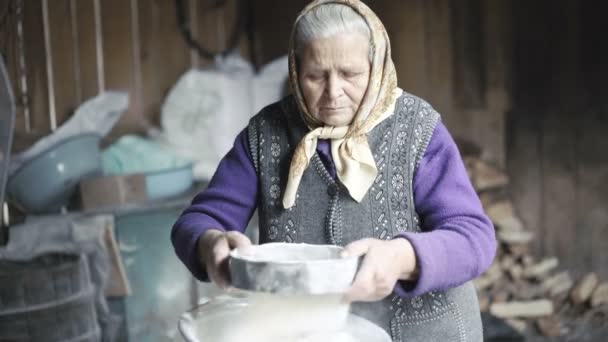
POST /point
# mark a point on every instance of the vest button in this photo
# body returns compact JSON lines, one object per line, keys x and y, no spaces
{"x":332,"y":190}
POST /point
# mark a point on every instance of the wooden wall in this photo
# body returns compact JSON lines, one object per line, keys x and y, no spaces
{"x":73,"y":49}
{"x":135,"y":46}
{"x":557,"y":145}
{"x":456,"y":57}
{"x":521,"y":79}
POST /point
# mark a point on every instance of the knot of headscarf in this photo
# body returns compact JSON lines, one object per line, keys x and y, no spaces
{"x":353,"y":158}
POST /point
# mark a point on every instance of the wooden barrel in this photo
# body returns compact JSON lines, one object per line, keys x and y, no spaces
{"x":47,"y":299}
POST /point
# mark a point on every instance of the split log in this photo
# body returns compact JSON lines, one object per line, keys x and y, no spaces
{"x":563,"y":288}
{"x":500,"y":210}
{"x":527,"y":260}
{"x":534,"y":308}
{"x":486,"y":176}
{"x":561,"y":304}
{"x":527,"y":291}
{"x":583,"y":289}
{"x":515,"y":272}
{"x":541,"y":269}
{"x":600,"y":295}
{"x":484,"y":302}
{"x":514,"y":237}
{"x":558,"y":283}
{"x":519,"y":325}
{"x":490,"y":197}
{"x":598,"y":314}
{"x":492,"y":275}
{"x":506,"y":262}
{"x":549,"y":326}
{"x":519,"y":250}
{"x":500,"y":296}
{"x":510,"y":223}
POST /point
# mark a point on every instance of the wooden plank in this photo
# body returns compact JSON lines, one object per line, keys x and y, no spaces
{"x":9,"y":46}
{"x":595,"y":68}
{"x":62,"y":47}
{"x":469,"y":61}
{"x":36,"y":66}
{"x":87,"y":48}
{"x":568,"y":66}
{"x":405,"y":23}
{"x":535,"y":308}
{"x":273,"y":20}
{"x":524,"y":123}
{"x":118,"y":53}
{"x":490,"y":124}
{"x":208,"y":29}
{"x":194,"y":19}
{"x":524,"y":169}
{"x":530,"y":59}
{"x":559,"y":188}
{"x":231,"y":14}
{"x":592,"y":174}
{"x":592,"y":192}
{"x":559,"y":143}
{"x":439,"y":56}
{"x":584,"y":288}
{"x":161,"y":44}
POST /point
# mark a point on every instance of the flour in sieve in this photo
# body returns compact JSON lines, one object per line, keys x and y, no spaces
{"x":277,"y":318}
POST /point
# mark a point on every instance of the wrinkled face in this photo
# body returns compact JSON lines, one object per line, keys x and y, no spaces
{"x":333,"y":75}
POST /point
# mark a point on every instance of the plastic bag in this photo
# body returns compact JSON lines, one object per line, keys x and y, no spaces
{"x":206,"y":109}
{"x":97,"y":115}
{"x":134,"y":154}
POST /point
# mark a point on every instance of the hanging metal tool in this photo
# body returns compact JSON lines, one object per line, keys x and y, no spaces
{"x":183,"y":21}
{"x":49,"y":64}
{"x":7,"y":125}
{"x":24,"y":98}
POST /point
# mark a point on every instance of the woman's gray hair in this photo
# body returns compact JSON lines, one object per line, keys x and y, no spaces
{"x":328,"y":20}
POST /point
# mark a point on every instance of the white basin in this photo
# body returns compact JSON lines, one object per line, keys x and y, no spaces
{"x":234,"y":318}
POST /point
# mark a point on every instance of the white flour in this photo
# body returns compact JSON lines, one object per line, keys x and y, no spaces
{"x":271,"y":318}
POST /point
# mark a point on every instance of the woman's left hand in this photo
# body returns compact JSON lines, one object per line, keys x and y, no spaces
{"x":385,"y":263}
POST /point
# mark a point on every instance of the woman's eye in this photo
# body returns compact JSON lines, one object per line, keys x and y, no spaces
{"x":315,"y":77}
{"x":351,"y":74}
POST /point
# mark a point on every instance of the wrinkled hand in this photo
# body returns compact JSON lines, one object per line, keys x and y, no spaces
{"x":385,"y":263}
{"x":214,"y":248}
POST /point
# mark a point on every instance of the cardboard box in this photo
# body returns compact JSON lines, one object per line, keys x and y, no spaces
{"x":112,"y":191}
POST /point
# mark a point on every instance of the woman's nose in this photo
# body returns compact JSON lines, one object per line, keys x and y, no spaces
{"x":334,"y":87}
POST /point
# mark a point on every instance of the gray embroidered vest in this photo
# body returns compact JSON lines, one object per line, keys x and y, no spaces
{"x":324,"y":213}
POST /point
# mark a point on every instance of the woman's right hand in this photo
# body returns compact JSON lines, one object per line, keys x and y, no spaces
{"x":214,"y":247}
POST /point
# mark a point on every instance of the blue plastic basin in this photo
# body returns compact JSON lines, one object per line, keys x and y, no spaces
{"x":46,"y":183}
{"x":170,"y":182}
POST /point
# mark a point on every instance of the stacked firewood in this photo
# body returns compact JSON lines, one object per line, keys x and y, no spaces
{"x":525,"y":291}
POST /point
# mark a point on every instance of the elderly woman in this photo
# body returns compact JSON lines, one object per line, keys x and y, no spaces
{"x":350,"y":159}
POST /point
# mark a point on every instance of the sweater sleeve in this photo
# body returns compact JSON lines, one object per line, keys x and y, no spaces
{"x":226,"y":204}
{"x":457,"y":242}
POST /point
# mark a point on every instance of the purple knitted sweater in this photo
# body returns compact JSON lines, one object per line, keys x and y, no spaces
{"x":456,"y":245}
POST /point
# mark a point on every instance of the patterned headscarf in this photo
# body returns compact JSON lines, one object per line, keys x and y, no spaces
{"x":355,"y":165}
